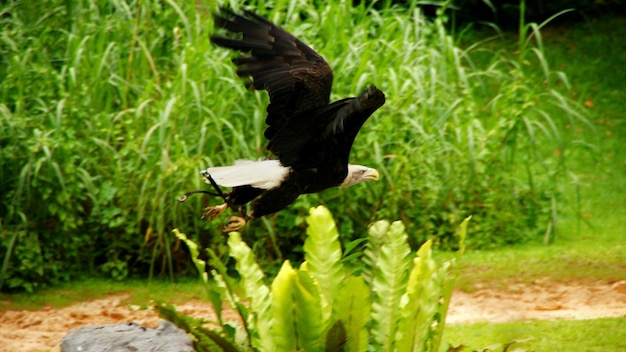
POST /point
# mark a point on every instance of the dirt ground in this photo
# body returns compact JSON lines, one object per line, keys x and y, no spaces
{"x":42,"y":330}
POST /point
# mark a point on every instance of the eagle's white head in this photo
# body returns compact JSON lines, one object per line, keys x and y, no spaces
{"x":359,"y":173}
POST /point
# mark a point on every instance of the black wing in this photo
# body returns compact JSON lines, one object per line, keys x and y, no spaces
{"x":327,"y":133}
{"x":296,"y":77}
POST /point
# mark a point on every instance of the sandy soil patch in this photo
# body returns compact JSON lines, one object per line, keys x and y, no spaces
{"x":42,"y":330}
{"x":539,"y":302}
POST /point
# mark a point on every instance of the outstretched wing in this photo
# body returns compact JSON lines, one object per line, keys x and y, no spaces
{"x":296,"y":77}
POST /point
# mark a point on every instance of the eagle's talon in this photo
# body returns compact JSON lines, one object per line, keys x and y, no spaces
{"x":235,"y":223}
{"x":211,"y":213}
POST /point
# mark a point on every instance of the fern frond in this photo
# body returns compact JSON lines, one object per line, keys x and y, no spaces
{"x":259,"y":322}
{"x":420,"y":303}
{"x":308,"y":308}
{"x":352,"y":308}
{"x":322,"y":252}
{"x":388,"y":285}
{"x":297,"y":311}
{"x":283,"y":328}
{"x":223,"y":289}
{"x":195,"y":254}
{"x":213,"y":294}
{"x":227,"y":293}
{"x":336,"y":337}
{"x":377,"y":237}
{"x":448,"y":284}
{"x":205,"y":340}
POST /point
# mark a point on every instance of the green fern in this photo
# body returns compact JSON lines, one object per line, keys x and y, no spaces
{"x":297,"y":311}
{"x":352,"y":309}
{"x":205,"y":340}
{"x":195,"y":254}
{"x":322,"y":253}
{"x":256,"y":293}
{"x":308,"y":308}
{"x":232,"y":328}
{"x":376,"y":238}
{"x":449,"y":274}
{"x":420,"y":302}
{"x":284,"y":328}
{"x":389,"y":282}
{"x":399,"y":303}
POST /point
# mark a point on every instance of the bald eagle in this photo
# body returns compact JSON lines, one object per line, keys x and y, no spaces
{"x":310,"y":137}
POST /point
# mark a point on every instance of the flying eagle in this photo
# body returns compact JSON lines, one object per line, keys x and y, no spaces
{"x":310,"y":137}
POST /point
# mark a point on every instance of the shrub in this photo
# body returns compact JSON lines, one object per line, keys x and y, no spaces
{"x":392,"y":300}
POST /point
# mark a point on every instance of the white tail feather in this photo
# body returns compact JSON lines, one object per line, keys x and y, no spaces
{"x":264,"y":174}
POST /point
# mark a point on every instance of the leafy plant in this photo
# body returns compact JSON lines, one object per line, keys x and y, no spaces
{"x":395,"y":300}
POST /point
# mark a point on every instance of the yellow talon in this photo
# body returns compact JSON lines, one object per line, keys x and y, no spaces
{"x":235,"y":223}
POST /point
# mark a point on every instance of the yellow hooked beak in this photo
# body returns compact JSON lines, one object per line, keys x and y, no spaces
{"x":371,"y":174}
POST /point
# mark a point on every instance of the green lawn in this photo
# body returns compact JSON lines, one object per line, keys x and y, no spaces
{"x":577,"y":335}
{"x":141,"y":293}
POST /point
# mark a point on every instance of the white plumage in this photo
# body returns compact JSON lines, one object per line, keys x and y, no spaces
{"x":264,"y":174}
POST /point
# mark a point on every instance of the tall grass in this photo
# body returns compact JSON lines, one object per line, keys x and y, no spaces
{"x":108,"y":110}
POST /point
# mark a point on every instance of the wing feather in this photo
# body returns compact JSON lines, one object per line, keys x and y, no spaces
{"x":296,"y":77}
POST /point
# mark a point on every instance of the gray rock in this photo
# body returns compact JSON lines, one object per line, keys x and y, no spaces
{"x":127,"y":337}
